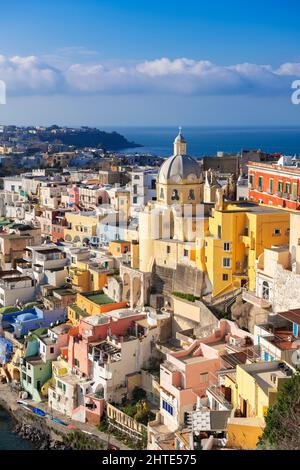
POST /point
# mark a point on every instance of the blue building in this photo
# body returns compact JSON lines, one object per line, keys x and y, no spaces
{"x":6,"y":350}
{"x":20,"y":323}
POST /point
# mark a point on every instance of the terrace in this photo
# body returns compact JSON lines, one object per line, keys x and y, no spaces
{"x":98,"y":298}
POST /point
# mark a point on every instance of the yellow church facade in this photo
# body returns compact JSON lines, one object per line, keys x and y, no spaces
{"x":191,"y":224}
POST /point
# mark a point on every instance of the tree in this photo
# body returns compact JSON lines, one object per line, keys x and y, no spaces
{"x":143,"y":414}
{"x":282,"y":429}
{"x":138,"y":394}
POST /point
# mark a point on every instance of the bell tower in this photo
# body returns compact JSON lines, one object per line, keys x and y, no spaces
{"x":180,"y":144}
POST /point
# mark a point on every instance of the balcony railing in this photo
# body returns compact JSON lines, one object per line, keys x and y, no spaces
{"x":253,"y":299}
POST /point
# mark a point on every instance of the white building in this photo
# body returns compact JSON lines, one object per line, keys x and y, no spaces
{"x":143,"y":186}
{"x":15,"y":287}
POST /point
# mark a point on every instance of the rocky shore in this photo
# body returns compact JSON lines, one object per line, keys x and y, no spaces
{"x":44,"y":433}
{"x":39,"y":439}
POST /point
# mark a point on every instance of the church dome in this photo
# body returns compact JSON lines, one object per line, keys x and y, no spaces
{"x":180,"y":169}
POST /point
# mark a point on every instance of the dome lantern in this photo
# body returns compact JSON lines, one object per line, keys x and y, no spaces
{"x":180,"y":144}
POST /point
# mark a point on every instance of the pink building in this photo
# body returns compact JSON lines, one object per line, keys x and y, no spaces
{"x":73,"y":194}
{"x":95,"y":329}
{"x":187,"y":373}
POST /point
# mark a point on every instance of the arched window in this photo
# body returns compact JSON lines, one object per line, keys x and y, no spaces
{"x":265,"y":290}
{"x":175,"y":195}
{"x":191,"y":195}
{"x":161,"y":195}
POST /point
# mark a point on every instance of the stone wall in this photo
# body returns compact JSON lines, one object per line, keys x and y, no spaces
{"x":182,"y":279}
{"x":286,"y":293}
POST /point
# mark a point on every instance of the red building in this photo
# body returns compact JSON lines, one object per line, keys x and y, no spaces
{"x":59,"y":222}
{"x":274,"y":184}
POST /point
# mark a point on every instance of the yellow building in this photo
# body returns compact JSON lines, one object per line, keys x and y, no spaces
{"x":252,"y":389}
{"x":238,"y":232}
{"x":81,"y":226}
{"x":168,"y":227}
{"x":119,"y":247}
{"x":80,"y":277}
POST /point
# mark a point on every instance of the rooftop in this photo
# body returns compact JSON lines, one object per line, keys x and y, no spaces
{"x":291,"y":315}
{"x":263,"y":373}
{"x":99,"y":298}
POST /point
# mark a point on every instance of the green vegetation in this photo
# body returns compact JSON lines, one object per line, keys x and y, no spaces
{"x":184,"y":296}
{"x":129,"y":409}
{"x":78,"y":441}
{"x":37,"y":333}
{"x":138,"y":408}
{"x":282,"y":429}
{"x":143,"y":413}
{"x":10,"y":309}
{"x":138,"y":394}
{"x":103,"y":425}
{"x":99,"y":298}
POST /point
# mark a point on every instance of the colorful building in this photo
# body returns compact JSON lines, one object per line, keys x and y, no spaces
{"x":92,"y":303}
{"x":276,"y":184}
{"x":252,"y":390}
{"x":237,"y":235}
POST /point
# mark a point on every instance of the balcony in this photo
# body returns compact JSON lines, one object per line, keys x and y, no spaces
{"x":252,"y":298}
{"x":218,"y":393}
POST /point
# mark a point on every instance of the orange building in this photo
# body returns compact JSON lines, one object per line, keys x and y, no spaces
{"x":92,"y":303}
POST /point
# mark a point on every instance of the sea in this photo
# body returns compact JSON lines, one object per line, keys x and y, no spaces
{"x":8,"y":439}
{"x":206,"y":141}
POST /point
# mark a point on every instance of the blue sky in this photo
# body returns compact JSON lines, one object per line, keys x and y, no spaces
{"x":117,"y":62}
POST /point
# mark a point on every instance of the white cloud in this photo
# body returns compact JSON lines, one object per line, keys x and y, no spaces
{"x":32,"y":75}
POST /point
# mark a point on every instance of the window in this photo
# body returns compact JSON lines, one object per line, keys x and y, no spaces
{"x":191,"y":195}
{"x":226,"y":246}
{"x":277,"y":232}
{"x":134,"y":200}
{"x":153,"y":184}
{"x":29,"y":379}
{"x":175,"y":195}
{"x":219,"y":232}
{"x":280,"y":185}
{"x":295,"y":191}
{"x":51,"y":350}
{"x":168,"y":407}
{"x":287,"y":188}
{"x":161,"y":194}
{"x":225,"y":277}
{"x":168,"y":249}
{"x":185,"y":252}
{"x":271,"y":186}
{"x":265,"y":290}
{"x":226,"y":262}
{"x":61,"y":385}
{"x":204,"y":378}
{"x":76,"y":362}
{"x":251,"y":181}
{"x":260,"y":183}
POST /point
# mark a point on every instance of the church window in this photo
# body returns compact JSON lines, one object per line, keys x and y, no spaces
{"x":175,"y":195}
{"x":161,"y":195}
{"x":191,"y":195}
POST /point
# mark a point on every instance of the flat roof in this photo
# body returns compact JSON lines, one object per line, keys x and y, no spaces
{"x":263,"y":372}
{"x":99,"y":298}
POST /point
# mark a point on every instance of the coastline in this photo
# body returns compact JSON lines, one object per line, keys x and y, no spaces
{"x":46,"y":434}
